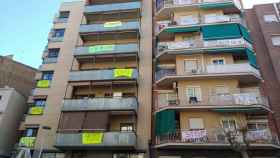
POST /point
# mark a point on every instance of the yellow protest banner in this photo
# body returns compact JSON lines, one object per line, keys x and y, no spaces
{"x":43,"y":84}
{"x":92,"y":138}
{"x":27,"y":141}
{"x":36,"y":111}
{"x":113,"y":24}
{"x":101,"y":48}
{"x":123,"y":73}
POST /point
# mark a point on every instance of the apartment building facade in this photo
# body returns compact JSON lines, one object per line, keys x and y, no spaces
{"x":93,"y":95}
{"x":264,"y":23}
{"x":207,"y":97}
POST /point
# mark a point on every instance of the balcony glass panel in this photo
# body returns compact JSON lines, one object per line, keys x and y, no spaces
{"x":109,"y":139}
{"x":112,"y":7}
{"x":99,"y":75}
{"x":117,"y":103}
{"x":110,"y":26}
{"x":107,"y":49}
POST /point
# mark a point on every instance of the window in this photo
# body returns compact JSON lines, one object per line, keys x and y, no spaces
{"x":191,"y":65}
{"x":53,"y":53}
{"x":40,"y":102}
{"x":126,"y":126}
{"x":47,"y":75}
{"x":228,"y":124}
{"x":64,"y":14}
{"x":276,"y":40}
{"x":218,"y":61}
{"x":108,"y":95}
{"x":58,"y":33}
{"x":270,"y":18}
{"x":127,"y":155}
{"x":188,"y":20}
{"x":31,"y":132}
{"x":196,"y":123}
{"x":257,"y":126}
{"x":193,"y":94}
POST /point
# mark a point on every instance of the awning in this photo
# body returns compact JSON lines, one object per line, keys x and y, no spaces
{"x":182,"y":29}
{"x":236,"y":109}
{"x":252,"y":58}
{"x":227,"y":50}
{"x":245,"y":33}
{"x":165,"y":122}
{"x":222,"y":31}
{"x":216,"y":5}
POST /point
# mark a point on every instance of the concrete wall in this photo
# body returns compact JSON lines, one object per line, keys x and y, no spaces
{"x":15,"y":107}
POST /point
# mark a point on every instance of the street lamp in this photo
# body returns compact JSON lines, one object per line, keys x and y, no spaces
{"x":47,"y":128}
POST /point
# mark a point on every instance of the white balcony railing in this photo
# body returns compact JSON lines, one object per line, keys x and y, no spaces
{"x":232,"y":68}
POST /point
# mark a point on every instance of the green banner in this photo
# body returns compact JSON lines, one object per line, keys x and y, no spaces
{"x":113,"y":24}
{"x":101,"y":48}
{"x":36,"y":110}
{"x":123,"y":73}
{"x":92,"y":138}
{"x":43,"y":84}
{"x":27,"y":141}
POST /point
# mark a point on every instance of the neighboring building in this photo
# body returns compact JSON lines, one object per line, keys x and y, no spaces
{"x":207,"y":82}
{"x":94,"y":88}
{"x":12,"y":107}
{"x":16,"y":75}
{"x":264,"y":23}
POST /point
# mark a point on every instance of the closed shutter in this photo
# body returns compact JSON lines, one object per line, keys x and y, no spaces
{"x":96,"y":121}
{"x":223,"y":31}
{"x":71,"y":121}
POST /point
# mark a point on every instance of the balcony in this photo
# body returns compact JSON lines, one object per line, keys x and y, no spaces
{"x":114,"y":26}
{"x":115,"y":7}
{"x":190,"y":23}
{"x":112,"y":140}
{"x":101,"y":104}
{"x":112,"y":49}
{"x":104,"y":75}
{"x":214,"y":138}
{"x":49,"y":60}
{"x":237,"y":102}
{"x":244,"y":72}
{"x":169,"y":49}
{"x":164,"y":8}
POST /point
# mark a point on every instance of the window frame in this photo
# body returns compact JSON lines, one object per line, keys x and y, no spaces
{"x":218,"y":58}
{"x":196,"y":118}
{"x":199,"y":97}
{"x":273,"y":18}
{"x":190,"y":70}
{"x":278,"y":37}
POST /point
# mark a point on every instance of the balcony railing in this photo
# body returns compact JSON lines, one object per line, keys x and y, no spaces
{"x":107,"y":49}
{"x":199,"y":3}
{"x":244,"y":68}
{"x":216,"y":136}
{"x":49,"y":60}
{"x":85,"y":140}
{"x":100,"y":75}
{"x":197,"y":21}
{"x":202,"y":45}
{"x":165,"y":100}
{"x":110,"y":27}
{"x":114,"y":104}
{"x":112,"y":7}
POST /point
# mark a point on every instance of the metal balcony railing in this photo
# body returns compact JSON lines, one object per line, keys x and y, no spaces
{"x":216,"y":136}
{"x":200,"y":3}
{"x":165,"y":100}
{"x":110,"y":139}
{"x":112,"y":7}
{"x":245,"y":68}
{"x":114,"y":104}
{"x":204,"y":45}
{"x":107,"y":49}
{"x":49,"y":60}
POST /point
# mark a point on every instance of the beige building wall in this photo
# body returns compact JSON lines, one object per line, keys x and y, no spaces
{"x":12,"y":108}
{"x":61,"y":71}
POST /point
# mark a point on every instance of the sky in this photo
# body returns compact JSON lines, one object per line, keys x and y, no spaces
{"x":25,"y":24}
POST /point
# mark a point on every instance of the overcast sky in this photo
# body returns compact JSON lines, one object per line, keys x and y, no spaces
{"x":250,"y":3}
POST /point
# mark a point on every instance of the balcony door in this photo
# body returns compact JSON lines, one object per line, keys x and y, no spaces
{"x":191,"y":66}
{"x":193,"y":94}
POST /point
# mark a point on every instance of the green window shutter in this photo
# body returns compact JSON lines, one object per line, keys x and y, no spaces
{"x":217,"y":5}
{"x":252,"y":58}
{"x":223,"y":31}
{"x":182,"y":29}
{"x":245,"y":33}
{"x":165,"y":122}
